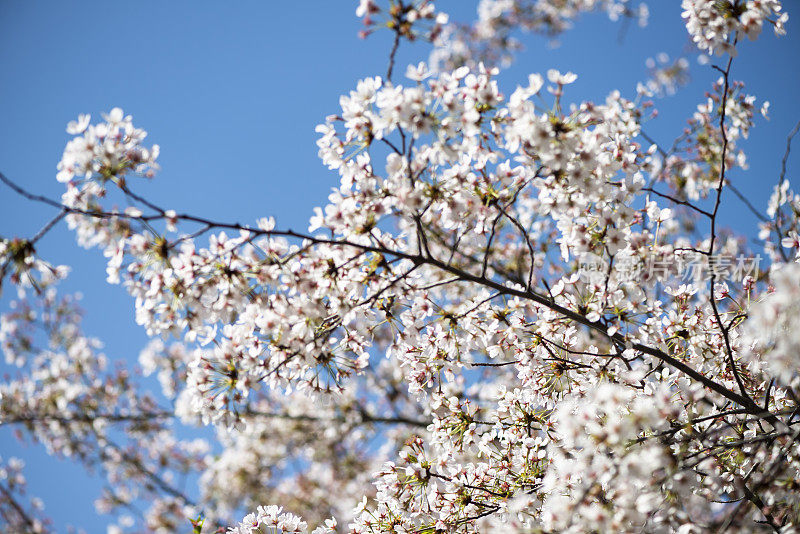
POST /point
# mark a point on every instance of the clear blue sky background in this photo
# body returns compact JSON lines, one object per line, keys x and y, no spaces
{"x":232,"y":92}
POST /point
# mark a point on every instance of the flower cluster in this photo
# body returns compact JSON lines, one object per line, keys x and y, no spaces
{"x":780,"y":231}
{"x":72,"y":400}
{"x":666,"y":76}
{"x":771,"y":329}
{"x":491,"y":38}
{"x":715,"y":24}
{"x":694,"y":166}
{"x":596,"y":480}
{"x":410,"y":19}
{"x":18,"y":515}
{"x":220,"y":293}
{"x":109,"y":149}
{"x":273,"y":517}
{"x":18,"y":257}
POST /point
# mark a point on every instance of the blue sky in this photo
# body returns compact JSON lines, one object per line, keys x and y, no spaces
{"x":232,"y":92}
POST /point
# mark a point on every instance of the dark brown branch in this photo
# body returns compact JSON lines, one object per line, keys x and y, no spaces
{"x":717,"y":202}
{"x":395,"y":46}
{"x":23,"y":515}
{"x":84,"y":418}
{"x":677,"y":201}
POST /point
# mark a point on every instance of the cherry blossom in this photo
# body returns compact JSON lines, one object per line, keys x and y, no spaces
{"x":713,"y":24}
{"x":429,"y":356}
{"x":771,"y":328}
{"x":491,"y":39}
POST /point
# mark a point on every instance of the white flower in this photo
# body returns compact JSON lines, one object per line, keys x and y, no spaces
{"x":772,"y":331}
{"x":561,"y":79}
{"x":79,"y":126}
